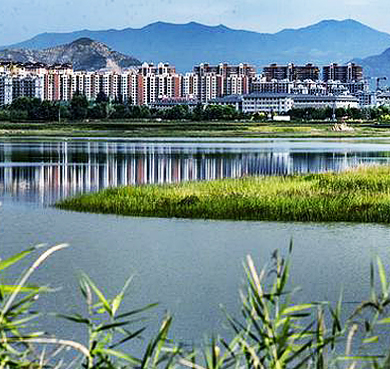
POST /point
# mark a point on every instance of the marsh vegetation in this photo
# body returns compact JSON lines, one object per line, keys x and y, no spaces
{"x":357,"y":195}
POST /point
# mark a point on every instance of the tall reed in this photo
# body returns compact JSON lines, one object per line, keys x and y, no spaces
{"x":274,"y":330}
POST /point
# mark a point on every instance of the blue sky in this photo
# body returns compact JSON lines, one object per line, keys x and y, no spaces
{"x":22,"y":19}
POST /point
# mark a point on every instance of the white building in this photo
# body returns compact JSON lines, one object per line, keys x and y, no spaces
{"x":383,"y":99}
{"x":282,"y":103}
{"x":268,"y":103}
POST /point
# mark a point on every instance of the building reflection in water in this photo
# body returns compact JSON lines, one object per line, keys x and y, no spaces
{"x":45,"y":172}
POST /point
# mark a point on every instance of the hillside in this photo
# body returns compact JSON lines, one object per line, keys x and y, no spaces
{"x":188,"y":44}
{"x":377,"y":65}
{"x":83,"y":53}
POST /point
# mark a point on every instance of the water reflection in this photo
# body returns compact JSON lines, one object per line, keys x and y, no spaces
{"x":42,"y":172}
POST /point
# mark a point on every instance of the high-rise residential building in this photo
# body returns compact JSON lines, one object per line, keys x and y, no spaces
{"x":189,"y":86}
{"x":158,"y":82}
{"x":84,"y":83}
{"x":343,"y":73}
{"x":58,"y":82}
{"x":23,"y":85}
{"x":291,"y":72}
{"x":131,"y":84}
{"x":5,"y":89}
{"x":27,"y":86}
{"x":213,"y":81}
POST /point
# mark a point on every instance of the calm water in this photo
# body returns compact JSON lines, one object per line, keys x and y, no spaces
{"x":190,"y":267}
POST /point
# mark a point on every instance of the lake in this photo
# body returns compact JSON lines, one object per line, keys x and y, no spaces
{"x":190,"y":267}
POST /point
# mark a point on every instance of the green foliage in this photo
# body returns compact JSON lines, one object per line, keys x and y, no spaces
{"x":277,"y":333}
{"x":218,"y":112}
{"x":18,"y":115}
{"x":108,"y":330}
{"x":101,"y":97}
{"x":16,"y":313}
{"x":79,"y":107}
{"x":97,"y":111}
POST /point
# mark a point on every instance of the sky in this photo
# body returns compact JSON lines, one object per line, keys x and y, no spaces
{"x":23,"y":19}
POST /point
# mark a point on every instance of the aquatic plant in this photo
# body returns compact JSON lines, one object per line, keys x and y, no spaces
{"x":274,"y":331}
{"x":107,"y":328}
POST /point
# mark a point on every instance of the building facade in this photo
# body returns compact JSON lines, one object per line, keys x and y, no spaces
{"x":214,"y":81}
{"x":343,"y":73}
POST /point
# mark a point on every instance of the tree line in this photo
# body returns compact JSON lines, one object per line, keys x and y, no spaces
{"x":79,"y":108}
{"x":381,"y":113}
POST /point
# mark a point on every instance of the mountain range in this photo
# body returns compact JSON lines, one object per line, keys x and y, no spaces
{"x":83,"y":53}
{"x":186,"y":45}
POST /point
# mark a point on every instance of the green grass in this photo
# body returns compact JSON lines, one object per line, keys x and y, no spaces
{"x":152,"y":128}
{"x":356,"y":195}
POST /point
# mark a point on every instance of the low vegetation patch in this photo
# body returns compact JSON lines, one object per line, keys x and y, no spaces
{"x":356,"y":195}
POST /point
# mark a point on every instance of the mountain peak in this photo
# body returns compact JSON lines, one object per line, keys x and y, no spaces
{"x":84,"y":53}
{"x":343,"y":23}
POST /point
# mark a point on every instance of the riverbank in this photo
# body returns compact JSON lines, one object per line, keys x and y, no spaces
{"x":153,"y":128}
{"x":356,"y":195}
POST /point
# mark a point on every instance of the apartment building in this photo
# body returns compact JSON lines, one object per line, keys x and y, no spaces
{"x":291,"y":72}
{"x":157,"y":82}
{"x":307,"y":87}
{"x":58,"y":82}
{"x":28,"y":86}
{"x":189,"y":86}
{"x":214,"y":81}
{"x":383,"y":98}
{"x":343,"y":73}
{"x":5,"y":89}
{"x":15,"y":86}
{"x":131,"y":87}
{"x":261,"y":85}
{"x":84,"y":83}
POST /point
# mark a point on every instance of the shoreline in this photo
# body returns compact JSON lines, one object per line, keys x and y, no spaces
{"x":189,"y":129}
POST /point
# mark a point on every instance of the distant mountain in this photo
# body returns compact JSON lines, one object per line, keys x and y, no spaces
{"x":83,"y":53}
{"x":377,"y":65}
{"x":185,"y":45}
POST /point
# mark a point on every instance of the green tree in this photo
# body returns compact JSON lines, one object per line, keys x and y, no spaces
{"x":79,"y":107}
{"x":101,"y":97}
{"x":120,"y":111}
{"x":198,"y":112}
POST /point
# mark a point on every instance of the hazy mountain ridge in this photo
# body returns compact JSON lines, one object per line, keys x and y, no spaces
{"x":185,"y":45}
{"x":377,"y":65}
{"x":83,"y":53}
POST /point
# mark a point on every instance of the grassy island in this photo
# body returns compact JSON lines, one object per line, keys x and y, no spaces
{"x":357,"y":195}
